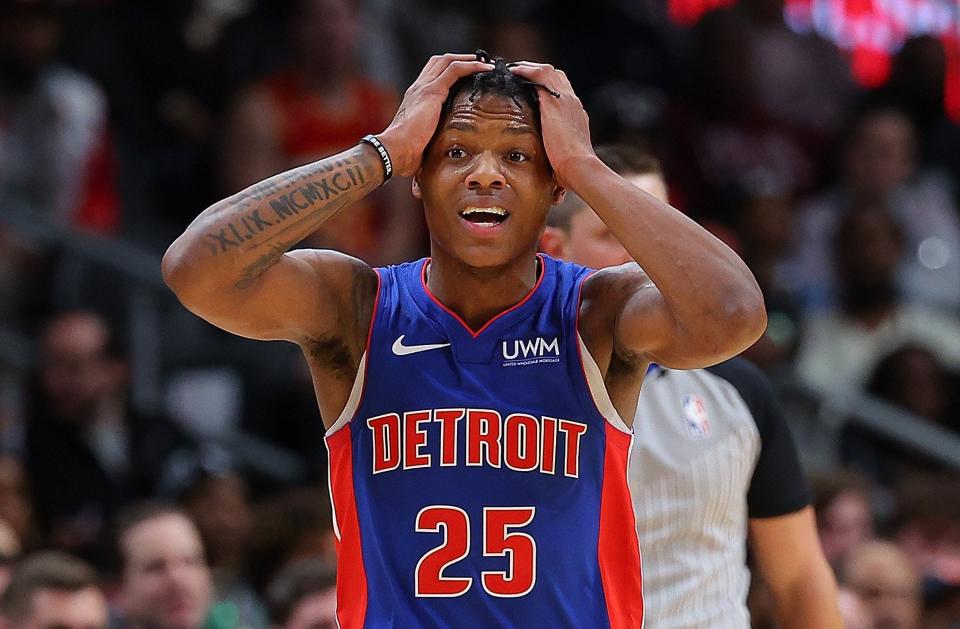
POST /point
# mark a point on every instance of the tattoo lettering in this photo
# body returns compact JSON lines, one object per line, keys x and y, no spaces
{"x":321,"y":190}
{"x":220,"y":239}
{"x":251,"y":225}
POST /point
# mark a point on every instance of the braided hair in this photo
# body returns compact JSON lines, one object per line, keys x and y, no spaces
{"x":501,"y":82}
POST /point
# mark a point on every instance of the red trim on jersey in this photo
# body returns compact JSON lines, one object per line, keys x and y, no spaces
{"x":423,"y":282}
{"x":351,"y":576}
{"x":618,"y":550}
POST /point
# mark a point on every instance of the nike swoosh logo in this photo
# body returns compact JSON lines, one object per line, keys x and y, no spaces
{"x":403,"y":350}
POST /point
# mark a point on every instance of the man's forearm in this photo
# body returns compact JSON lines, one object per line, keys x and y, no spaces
{"x":236,"y":240}
{"x":707,"y":287}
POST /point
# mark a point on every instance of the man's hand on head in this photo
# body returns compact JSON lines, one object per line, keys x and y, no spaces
{"x":563,"y":120}
{"x":416,"y":120}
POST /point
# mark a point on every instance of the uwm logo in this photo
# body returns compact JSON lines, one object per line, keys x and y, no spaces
{"x":530,"y":351}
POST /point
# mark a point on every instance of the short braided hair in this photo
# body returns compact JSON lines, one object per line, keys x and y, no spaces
{"x":499,"y":81}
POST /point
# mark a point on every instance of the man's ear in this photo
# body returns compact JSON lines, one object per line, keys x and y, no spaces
{"x":415,"y":187}
{"x":554,"y":242}
{"x":558,"y":195}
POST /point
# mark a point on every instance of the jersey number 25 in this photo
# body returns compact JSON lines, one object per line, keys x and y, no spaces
{"x":499,"y":540}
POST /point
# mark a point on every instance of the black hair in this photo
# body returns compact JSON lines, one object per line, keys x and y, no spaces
{"x":499,"y":81}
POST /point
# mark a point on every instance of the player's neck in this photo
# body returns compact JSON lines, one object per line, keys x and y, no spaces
{"x":480,"y":294}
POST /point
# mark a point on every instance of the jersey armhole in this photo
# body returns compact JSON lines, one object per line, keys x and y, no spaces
{"x":356,"y":392}
{"x":591,"y":373}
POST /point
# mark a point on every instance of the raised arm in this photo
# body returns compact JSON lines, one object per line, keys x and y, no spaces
{"x":231,"y":265}
{"x":697,"y":302}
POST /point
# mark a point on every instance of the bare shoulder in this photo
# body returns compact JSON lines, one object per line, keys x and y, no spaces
{"x":607,"y":295}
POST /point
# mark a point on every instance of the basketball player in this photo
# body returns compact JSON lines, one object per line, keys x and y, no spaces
{"x":712,"y":458}
{"x":474,"y":399}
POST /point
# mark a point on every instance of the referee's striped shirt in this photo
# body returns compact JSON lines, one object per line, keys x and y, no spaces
{"x":711,"y":450}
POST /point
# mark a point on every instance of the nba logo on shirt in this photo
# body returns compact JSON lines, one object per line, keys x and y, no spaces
{"x":695,"y":416}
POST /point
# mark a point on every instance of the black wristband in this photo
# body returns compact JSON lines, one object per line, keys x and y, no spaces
{"x":382,"y":152}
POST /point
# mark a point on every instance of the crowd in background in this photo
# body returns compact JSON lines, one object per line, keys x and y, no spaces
{"x":124,"y":119}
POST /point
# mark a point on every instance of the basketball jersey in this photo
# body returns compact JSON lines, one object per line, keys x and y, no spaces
{"x":478,"y":479}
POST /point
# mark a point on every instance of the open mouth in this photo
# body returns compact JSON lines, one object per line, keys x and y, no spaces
{"x":484,"y":216}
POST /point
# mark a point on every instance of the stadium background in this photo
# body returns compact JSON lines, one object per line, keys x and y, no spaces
{"x":820,"y":138}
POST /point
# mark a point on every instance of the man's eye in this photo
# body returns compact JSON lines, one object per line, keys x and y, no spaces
{"x":517,"y":156}
{"x":456,"y":153}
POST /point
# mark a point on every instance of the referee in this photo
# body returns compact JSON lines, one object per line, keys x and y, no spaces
{"x":713,"y":463}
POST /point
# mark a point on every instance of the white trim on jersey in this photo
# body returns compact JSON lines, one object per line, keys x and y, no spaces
{"x":333,"y":505}
{"x":599,"y":390}
{"x":353,"y":402}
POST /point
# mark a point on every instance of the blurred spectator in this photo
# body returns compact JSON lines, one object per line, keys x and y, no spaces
{"x":763,"y":223}
{"x":165,"y":580}
{"x":912,"y":378}
{"x":51,"y":590}
{"x":16,"y":506}
{"x":87,"y":451}
{"x":304,"y":596}
{"x":319,"y":106}
{"x":800,"y":82}
{"x":723,"y":142}
{"x":881,"y":574}
{"x":927,"y":527}
{"x":55,"y":153}
{"x":855,"y":613}
{"x":916,"y":86}
{"x":9,"y":553}
{"x":844,"y":518}
{"x":219,"y":507}
{"x":879,"y":169}
{"x":290,"y":527}
{"x":163,"y":68}
{"x":841,"y":347}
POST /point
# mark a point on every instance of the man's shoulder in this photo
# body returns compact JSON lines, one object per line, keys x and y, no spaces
{"x":751,"y":385}
{"x":745,"y":377}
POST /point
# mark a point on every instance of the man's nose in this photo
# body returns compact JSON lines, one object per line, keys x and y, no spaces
{"x":486,"y":173}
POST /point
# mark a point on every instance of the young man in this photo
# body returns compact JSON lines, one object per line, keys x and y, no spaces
{"x":473,"y":399}
{"x":712,"y":454}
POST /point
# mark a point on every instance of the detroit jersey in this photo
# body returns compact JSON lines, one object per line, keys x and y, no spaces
{"x":479,"y":478}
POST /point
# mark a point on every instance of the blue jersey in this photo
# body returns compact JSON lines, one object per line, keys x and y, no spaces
{"x":479,"y":478}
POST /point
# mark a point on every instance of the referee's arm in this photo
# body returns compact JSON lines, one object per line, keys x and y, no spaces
{"x":787,"y":551}
{"x":783,"y":533}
